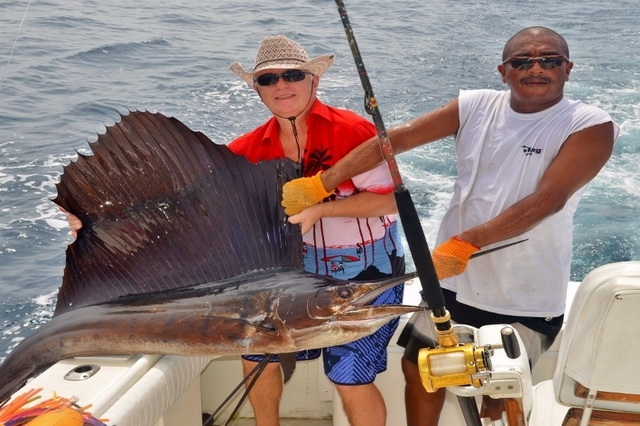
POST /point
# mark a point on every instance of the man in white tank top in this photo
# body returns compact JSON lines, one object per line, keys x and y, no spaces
{"x":524,"y":157}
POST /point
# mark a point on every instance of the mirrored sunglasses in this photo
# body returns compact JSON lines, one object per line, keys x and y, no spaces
{"x":546,"y":62}
{"x":289,"y":76}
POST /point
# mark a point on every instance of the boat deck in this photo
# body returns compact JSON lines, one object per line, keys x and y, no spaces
{"x":286,"y":422}
{"x":168,"y":390}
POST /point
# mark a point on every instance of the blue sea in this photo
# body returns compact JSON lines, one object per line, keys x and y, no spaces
{"x":68,"y":68}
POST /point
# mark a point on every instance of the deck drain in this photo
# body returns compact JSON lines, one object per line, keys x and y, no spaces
{"x":82,"y":372}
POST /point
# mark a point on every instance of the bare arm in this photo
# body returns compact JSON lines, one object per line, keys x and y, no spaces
{"x":578,"y":161}
{"x":363,"y":204}
{"x":434,"y":125}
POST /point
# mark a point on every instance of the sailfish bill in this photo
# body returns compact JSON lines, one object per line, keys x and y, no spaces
{"x":186,"y":250}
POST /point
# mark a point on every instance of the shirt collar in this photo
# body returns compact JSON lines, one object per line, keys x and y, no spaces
{"x":317,"y":109}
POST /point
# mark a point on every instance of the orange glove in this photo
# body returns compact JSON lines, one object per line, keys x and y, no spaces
{"x":450,"y":258}
{"x":301,"y":193}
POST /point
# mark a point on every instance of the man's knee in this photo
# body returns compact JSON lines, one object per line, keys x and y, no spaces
{"x":410,"y":371}
{"x":414,"y":386}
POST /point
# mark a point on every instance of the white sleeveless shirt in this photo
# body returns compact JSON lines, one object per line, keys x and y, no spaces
{"x":501,"y":156}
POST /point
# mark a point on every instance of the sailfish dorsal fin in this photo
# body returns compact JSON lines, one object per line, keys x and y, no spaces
{"x":163,"y":207}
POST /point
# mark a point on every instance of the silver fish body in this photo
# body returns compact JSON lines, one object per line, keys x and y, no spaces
{"x":186,"y":250}
{"x":278,"y":311}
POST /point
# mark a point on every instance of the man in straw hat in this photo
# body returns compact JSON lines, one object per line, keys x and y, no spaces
{"x":352,"y":234}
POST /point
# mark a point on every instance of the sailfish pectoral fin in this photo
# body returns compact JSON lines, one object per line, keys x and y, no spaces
{"x":288,"y":364}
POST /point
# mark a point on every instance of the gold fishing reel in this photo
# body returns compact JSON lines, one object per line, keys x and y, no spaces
{"x":452,"y":363}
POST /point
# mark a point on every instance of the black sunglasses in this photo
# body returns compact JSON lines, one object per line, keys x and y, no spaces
{"x":290,"y":76}
{"x":546,"y":62}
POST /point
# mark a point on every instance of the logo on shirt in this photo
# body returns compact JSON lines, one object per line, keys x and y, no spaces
{"x":530,"y":151}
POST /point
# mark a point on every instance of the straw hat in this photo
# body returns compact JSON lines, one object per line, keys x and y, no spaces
{"x":279,"y":52}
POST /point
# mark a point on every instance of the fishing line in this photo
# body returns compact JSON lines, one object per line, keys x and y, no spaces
{"x":15,"y":42}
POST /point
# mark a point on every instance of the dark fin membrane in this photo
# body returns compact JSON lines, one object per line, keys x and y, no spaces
{"x":164,"y":207}
{"x":288,"y":364}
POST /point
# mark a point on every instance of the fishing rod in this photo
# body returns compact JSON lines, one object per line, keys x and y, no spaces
{"x":432,"y":378}
{"x":431,"y":290}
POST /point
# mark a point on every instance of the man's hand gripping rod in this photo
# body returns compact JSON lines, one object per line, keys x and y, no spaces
{"x":431,"y":291}
{"x":451,"y":363}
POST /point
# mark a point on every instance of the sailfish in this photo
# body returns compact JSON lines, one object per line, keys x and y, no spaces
{"x":185,"y":250}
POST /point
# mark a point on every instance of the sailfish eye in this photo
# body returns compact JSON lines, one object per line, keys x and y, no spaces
{"x":345,"y":292}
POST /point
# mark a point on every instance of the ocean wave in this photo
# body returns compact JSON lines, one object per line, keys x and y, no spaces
{"x":23,"y":317}
{"x":118,"y":52}
{"x":77,"y":66}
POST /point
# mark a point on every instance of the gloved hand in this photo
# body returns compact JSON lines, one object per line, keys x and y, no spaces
{"x":450,"y":258}
{"x":301,"y":193}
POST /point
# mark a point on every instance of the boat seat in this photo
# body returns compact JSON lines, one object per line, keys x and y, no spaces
{"x":601,"y":418}
{"x":597,"y":379}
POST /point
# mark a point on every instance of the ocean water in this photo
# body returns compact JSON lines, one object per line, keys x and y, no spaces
{"x":70,"y":67}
